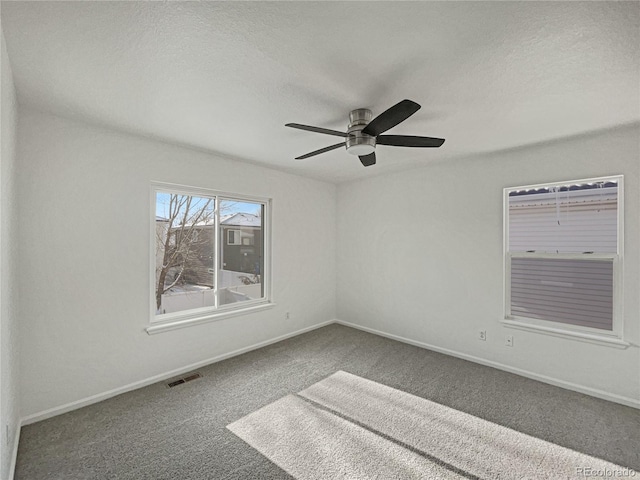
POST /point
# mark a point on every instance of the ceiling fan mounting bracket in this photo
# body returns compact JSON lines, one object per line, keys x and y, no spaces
{"x":360,"y":116}
{"x":359,"y":143}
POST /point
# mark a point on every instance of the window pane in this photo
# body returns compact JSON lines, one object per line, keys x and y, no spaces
{"x":573,"y":219}
{"x":242,"y":255}
{"x":575,"y":292}
{"x":185,"y":246}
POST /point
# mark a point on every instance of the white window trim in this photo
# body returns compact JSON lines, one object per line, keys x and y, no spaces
{"x":236,"y":234}
{"x":197,"y":320}
{"x":586,"y":334}
{"x":172,"y":321}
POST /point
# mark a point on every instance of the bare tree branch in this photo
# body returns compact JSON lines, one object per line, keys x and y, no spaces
{"x":180,"y":239}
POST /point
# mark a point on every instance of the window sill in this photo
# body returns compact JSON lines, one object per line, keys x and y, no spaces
{"x":608,"y":341}
{"x":206,"y":318}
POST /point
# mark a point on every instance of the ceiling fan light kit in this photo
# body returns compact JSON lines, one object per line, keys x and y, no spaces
{"x":364,"y":132}
{"x":359,"y":143}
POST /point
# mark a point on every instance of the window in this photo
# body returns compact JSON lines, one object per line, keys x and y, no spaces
{"x":563,"y":250}
{"x":196,"y":274}
{"x":233,"y":237}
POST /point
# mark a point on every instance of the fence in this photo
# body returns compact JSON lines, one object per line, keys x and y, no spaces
{"x":232,"y":290}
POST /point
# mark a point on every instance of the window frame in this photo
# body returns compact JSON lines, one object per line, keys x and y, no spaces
{"x":236,"y":231}
{"x":589,"y":334}
{"x":174,"y":320}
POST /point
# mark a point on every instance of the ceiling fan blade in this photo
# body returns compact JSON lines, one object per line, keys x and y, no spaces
{"x":409,"y":141}
{"x":316,"y":129}
{"x":368,"y":160}
{"x":322,"y":150}
{"x":391,"y":117}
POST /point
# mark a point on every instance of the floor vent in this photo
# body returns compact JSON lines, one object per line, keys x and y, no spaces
{"x":180,"y":381}
{"x":193,"y":376}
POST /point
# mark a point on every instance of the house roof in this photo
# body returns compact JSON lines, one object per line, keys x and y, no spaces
{"x":242,"y":220}
{"x":239,"y":219}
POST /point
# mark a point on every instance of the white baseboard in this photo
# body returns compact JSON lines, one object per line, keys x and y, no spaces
{"x":14,"y":453}
{"x":52,"y":412}
{"x":524,"y":373}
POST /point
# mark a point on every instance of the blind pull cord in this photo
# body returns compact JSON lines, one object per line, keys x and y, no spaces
{"x":555,"y":190}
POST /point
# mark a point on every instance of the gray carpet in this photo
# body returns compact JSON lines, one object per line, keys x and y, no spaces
{"x":347,"y":427}
{"x":180,"y":433}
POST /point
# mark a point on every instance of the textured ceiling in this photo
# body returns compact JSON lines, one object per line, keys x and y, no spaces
{"x":227,"y":76}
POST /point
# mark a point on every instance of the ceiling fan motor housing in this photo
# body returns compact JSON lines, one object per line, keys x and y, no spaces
{"x":359,"y":143}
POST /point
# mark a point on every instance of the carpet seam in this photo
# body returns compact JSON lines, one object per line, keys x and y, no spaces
{"x":389,"y":438}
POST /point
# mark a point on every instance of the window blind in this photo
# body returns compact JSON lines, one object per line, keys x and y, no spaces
{"x":575,"y":292}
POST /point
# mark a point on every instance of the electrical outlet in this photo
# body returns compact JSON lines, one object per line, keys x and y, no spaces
{"x":509,"y":341}
{"x":482,"y":335}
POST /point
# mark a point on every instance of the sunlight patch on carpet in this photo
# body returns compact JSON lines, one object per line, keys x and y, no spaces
{"x":347,"y":427}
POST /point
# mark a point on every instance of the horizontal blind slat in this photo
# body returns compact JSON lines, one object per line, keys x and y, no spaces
{"x":603,"y":325}
{"x":560,"y":307}
{"x":566,"y":291}
{"x":523,"y":310}
{"x":582,"y":262}
{"x":564,"y":281}
{"x":594,"y":315}
{"x":563,"y":267}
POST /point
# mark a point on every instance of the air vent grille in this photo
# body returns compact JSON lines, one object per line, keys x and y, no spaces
{"x":187,"y":378}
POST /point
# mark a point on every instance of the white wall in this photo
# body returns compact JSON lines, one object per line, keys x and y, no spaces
{"x":84,"y":258}
{"x":9,"y":401}
{"x":420,"y":256}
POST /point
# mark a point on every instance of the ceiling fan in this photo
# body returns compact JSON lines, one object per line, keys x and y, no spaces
{"x":363,"y":133}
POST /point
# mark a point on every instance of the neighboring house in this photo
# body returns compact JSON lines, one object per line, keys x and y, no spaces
{"x":242,"y":243}
{"x":162,"y":224}
{"x":241,"y":248}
